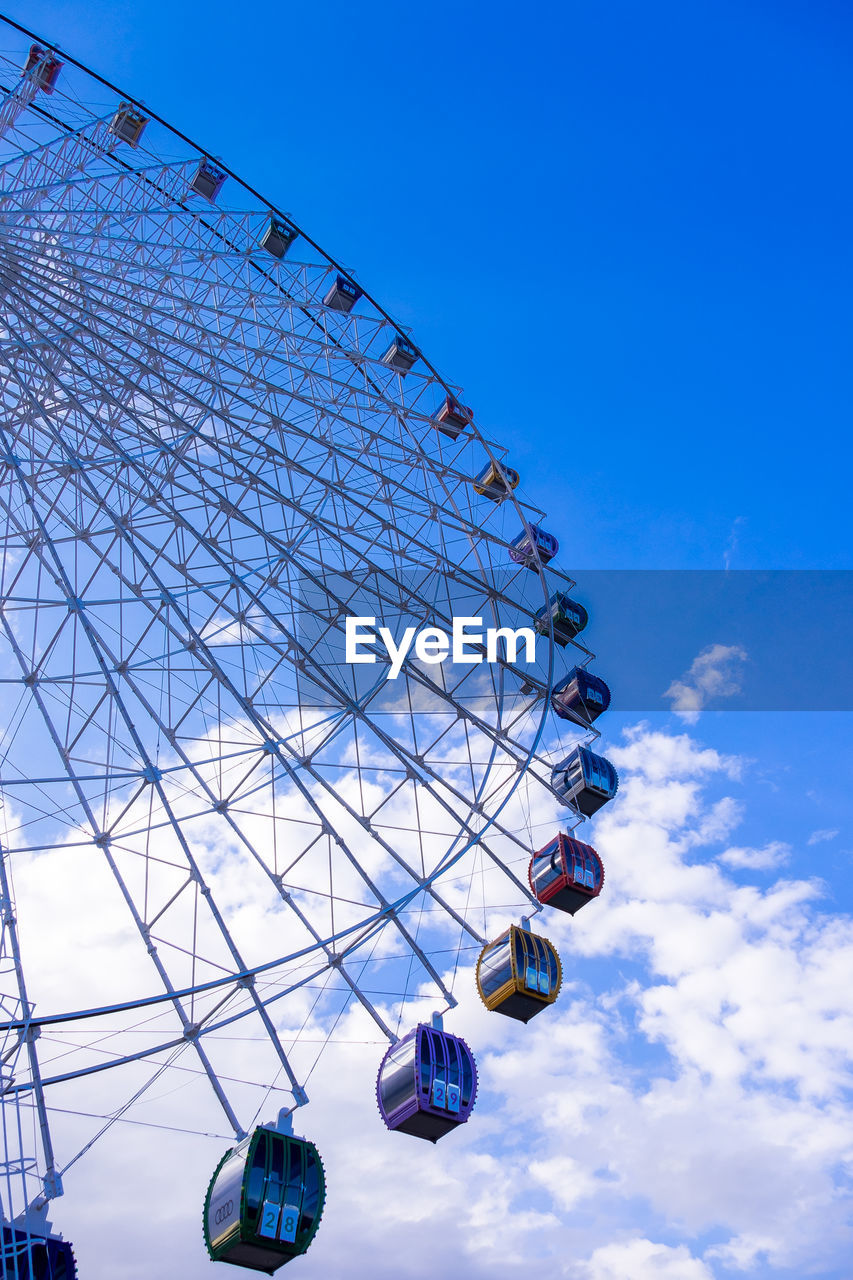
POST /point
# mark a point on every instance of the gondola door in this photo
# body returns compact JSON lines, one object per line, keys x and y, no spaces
{"x":268,"y":1223}
{"x":283,"y":1189}
{"x":293,"y":1194}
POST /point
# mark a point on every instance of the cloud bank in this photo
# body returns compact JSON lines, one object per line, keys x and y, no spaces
{"x":680,"y":1114}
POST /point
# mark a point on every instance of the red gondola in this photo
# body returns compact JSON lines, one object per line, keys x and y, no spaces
{"x":566,"y":874}
{"x":47,"y":67}
{"x":452,"y":418}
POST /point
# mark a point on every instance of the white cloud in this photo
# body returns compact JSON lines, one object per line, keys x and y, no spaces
{"x":640,"y":1259}
{"x":825,"y":833}
{"x":714,"y":673}
{"x":663,"y":757}
{"x":767,"y":858}
{"x":743,"y":1252}
{"x":732,"y":545}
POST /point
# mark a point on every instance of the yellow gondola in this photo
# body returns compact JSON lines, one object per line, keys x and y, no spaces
{"x":496,"y":481}
{"x":519,"y":974}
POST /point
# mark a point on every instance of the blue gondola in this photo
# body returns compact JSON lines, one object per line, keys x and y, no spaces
{"x":401,"y":354}
{"x":278,"y":238}
{"x":45,"y":67}
{"x":128,"y":124}
{"x":585,"y":781}
{"x":343,"y":295}
{"x":208,"y":179}
{"x":452,"y":418}
{"x":496,"y":481}
{"x":569,"y":618}
{"x":580,"y":696}
{"x":26,"y":1256}
{"x":534,"y":547}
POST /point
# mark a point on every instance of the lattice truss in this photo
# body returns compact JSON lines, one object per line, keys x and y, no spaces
{"x":203,"y":471}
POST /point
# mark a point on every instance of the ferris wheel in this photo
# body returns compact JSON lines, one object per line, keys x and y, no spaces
{"x":230,"y":484}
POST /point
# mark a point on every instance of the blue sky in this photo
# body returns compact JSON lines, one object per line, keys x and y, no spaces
{"x":624,"y":229}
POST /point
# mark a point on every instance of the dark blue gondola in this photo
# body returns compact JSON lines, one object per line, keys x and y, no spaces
{"x":36,"y":1257}
{"x":208,"y":179}
{"x":427,"y":1083}
{"x":566,"y":874}
{"x":401,"y":354}
{"x":585,"y":781}
{"x":452,"y":418}
{"x":569,"y":618}
{"x":343,"y":295}
{"x":278,"y":238}
{"x":580,"y":696}
{"x":45,"y":68}
{"x":533,"y":547}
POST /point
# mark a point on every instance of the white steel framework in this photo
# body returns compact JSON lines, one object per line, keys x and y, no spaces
{"x":204,"y":468}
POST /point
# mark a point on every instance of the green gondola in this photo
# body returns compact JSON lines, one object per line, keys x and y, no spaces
{"x":265,"y":1200}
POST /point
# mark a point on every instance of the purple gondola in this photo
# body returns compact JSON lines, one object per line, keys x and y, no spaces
{"x":580,"y":696}
{"x":427,"y":1083}
{"x":533,"y":547}
{"x":585,"y":781}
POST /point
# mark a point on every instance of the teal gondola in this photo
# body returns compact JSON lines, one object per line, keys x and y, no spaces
{"x":278,"y":237}
{"x":265,"y":1200}
{"x":567,"y":617}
